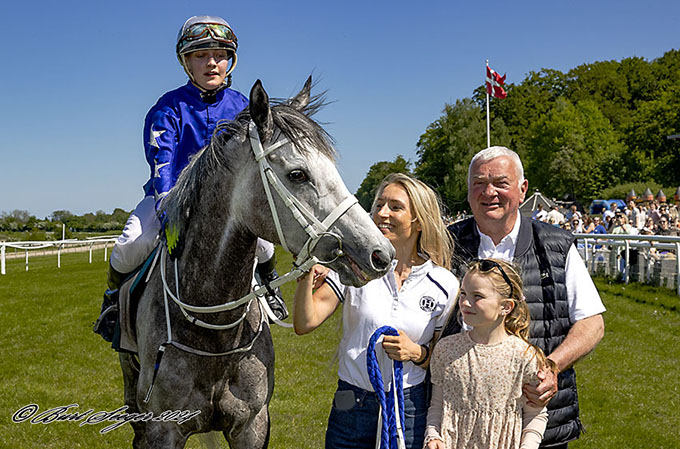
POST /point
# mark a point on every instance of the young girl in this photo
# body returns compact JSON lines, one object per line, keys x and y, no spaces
{"x":477,"y":375}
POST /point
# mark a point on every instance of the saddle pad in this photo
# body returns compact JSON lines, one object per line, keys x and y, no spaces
{"x":128,"y":300}
{"x":128,"y":339}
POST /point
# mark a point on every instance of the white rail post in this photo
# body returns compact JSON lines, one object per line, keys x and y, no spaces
{"x":650,"y":263}
{"x":26,"y":259}
{"x":59,"y":255}
{"x":91,"y":244}
{"x":585,"y":253}
{"x":2,"y":259}
{"x":106,"y":251}
{"x":626,"y":275}
{"x":677,"y":266}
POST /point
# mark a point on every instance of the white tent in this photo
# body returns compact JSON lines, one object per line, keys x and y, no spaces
{"x":531,"y":204}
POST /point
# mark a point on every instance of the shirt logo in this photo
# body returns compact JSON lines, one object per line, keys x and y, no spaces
{"x":427,"y":303}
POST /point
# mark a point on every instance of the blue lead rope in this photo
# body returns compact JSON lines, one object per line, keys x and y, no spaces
{"x":389,"y":436}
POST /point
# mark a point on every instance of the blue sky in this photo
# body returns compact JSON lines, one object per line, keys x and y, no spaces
{"x":79,"y":76}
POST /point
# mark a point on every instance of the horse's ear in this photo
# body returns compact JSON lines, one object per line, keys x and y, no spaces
{"x":301,"y":100}
{"x":260,"y":111}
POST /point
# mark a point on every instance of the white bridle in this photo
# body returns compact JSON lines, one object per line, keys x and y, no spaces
{"x":314,"y":228}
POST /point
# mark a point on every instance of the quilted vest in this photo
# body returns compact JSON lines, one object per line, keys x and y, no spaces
{"x":541,"y":254}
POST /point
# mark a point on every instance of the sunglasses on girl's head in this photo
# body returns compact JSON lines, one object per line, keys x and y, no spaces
{"x":486,"y":265}
{"x":217,"y":30}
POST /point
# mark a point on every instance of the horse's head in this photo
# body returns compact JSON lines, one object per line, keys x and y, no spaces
{"x":316,"y":213}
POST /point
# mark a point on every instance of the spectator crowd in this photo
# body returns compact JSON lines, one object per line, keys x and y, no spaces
{"x":645,"y":218}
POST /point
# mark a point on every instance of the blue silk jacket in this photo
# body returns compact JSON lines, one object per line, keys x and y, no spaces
{"x":177,"y":127}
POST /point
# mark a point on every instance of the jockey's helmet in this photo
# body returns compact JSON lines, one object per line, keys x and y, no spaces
{"x":206,"y":32}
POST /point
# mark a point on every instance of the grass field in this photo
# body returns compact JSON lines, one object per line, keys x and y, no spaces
{"x":628,"y":387}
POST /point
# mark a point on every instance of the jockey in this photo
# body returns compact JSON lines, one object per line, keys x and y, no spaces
{"x":178,"y":126}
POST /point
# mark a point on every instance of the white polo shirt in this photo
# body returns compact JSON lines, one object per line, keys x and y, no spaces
{"x":419,"y":308}
{"x":582,"y":296}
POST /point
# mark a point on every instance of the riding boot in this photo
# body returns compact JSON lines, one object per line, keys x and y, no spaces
{"x":265,"y":273}
{"x":108,"y":317}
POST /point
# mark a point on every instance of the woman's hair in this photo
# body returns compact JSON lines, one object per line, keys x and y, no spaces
{"x":517,"y":321}
{"x":434,"y":241}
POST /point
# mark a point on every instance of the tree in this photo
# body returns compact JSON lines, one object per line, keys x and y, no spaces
{"x":375,"y":175}
{"x":447,"y":146}
{"x":17,"y":220}
{"x":605,"y":85}
{"x":525,"y":104}
{"x":653,"y":155}
{"x":61,"y":216}
{"x":574,"y":149}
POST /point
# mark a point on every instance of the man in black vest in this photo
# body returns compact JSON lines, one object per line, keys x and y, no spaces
{"x":566,"y":309}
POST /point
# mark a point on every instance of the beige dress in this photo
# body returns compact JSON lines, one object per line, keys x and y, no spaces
{"x":482,"y":390}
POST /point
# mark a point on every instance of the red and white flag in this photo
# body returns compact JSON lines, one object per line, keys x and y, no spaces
{"x":494,"y":83}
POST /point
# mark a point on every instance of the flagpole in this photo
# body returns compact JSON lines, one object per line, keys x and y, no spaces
{"x":488,"y":123}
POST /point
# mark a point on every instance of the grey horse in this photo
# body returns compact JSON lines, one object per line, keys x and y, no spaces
{"x":214,"y":215}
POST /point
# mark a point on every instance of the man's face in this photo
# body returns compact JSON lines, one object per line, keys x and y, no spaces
{"x":494,"y":192}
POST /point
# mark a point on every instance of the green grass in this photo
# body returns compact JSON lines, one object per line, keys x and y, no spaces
{"x":628,"y":386}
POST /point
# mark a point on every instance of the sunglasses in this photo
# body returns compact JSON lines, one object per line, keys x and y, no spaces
{"x":486,"y":265}
{"x":218,"y":31}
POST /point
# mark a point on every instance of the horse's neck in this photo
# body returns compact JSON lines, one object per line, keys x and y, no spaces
{"x":217,"y":260}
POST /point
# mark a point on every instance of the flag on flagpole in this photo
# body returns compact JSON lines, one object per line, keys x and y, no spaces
{"x":494,"y":84}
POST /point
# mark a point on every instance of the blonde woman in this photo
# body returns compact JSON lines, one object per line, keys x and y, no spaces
{"x":477,"y":375}
{"x":415,"y":297}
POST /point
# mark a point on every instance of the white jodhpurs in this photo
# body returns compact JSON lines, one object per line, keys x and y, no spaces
{"x":139,"y":237}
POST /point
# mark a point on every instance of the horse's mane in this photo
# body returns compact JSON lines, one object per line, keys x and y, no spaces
{"x":297,"y":126}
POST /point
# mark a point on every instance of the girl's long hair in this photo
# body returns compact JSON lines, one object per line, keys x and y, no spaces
{"x":518,"y":320}
{"x":435,"y":242}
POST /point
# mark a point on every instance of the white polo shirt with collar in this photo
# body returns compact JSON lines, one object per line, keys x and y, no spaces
{"x":419,"y":309}
{"x":582,"y":296}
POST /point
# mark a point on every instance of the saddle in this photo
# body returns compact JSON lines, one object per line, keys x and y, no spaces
{"x":127,"y":299}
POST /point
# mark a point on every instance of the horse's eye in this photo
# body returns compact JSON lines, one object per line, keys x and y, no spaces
{"x":298,"y":176}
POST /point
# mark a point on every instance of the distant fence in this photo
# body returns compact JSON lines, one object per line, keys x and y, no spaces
{"x":59,"y":246}
{"x":649,"y":259}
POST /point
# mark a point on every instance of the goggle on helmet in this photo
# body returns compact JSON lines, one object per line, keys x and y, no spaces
{"x":206,"y":32}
